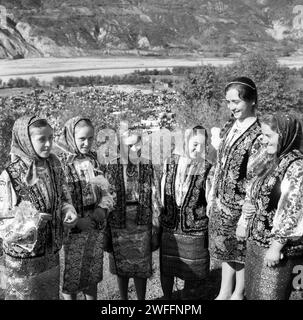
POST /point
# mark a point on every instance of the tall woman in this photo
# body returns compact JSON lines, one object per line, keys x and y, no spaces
{"x":275,"y":230}
{"x":134,"y":219}
{"x":240,"y":141}
{"x":184,"y":242}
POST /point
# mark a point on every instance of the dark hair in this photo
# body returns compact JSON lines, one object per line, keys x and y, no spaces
{"x":197,"y":129}
{"x":84,"y":123}
{"x":246,"y":88}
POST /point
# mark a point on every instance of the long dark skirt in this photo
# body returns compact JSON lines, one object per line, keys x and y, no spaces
{"x":267,"y":283}
{"x":184,"y":256}
{"x":132,"y":254}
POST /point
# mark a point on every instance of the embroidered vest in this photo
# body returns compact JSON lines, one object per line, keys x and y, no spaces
{"x":231,"y":177}
{"x":50,"y":237}
{"x":192,"y":213}
{"x":75,"y":184}
{"x":114,"y":174}
{"x":267,"y":193}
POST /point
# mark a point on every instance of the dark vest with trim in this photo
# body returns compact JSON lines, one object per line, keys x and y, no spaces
{"x":50,"y":237}
{"x":114,"y":174}
{"x":192,"y":213}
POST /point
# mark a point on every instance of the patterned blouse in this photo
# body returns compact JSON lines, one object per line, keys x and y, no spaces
{"x":278,"y":198}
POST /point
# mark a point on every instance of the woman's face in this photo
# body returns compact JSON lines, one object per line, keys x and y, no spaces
{"x":42,"y":140}
{"x":239,"y":108}
{"x":84,"y":137}
{"x":131,"y":142}
{"x":270,"y":138}
{"x":196,"y":146}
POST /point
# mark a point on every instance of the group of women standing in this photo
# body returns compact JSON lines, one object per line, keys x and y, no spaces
{"x":245,"y":209}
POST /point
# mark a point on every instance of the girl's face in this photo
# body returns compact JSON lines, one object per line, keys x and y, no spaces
{"x":84,"y":137}
{"x":42,"y":140}
{"x":270,"y":138}
{"x":196,"y":145}
{"x":131,"y":141}
{"x":239,"y":108}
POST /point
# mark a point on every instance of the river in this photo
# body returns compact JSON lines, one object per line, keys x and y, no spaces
{"x":46,"y":68}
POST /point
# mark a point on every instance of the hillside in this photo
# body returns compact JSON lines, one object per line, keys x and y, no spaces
{"x":150,"y":27}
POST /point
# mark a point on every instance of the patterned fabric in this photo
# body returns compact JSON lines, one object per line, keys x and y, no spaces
{"x":230,"y":182}
{"x":83,"y":251}
{"x":114,"y":172}
{"x":132,"y":254}
{"x":192,"y":213}
{"x":264,"y":283}
{"x":131,"y":224}
{"x":32,"y":279}
{"x":82,"y":258}
{"x":66,"y":141}
{"x":79,"y":174}
{"x":185,"y":256}
{"x":22,"y":147}
{"x":35,"y":274}
{"x":278,"y":198}
{"x":48,"y":195}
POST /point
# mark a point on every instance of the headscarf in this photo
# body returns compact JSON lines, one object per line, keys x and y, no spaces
{"x":182,"y":149}
{"x":289,"y":129}
{"x":66,"y":141}
{"x":21,"y":147}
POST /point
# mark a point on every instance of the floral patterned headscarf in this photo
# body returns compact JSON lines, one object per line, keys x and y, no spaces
{"x":21,"y":147}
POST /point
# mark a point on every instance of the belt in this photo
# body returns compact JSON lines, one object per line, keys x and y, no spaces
{"x":132,"y":202}
{"x":89,"y":207}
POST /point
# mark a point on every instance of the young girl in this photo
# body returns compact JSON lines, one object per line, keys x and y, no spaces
{"x":184,"y":244}
{"x":134,"y":220}
{"x":35,"y":176}
{"x":83,"y":251}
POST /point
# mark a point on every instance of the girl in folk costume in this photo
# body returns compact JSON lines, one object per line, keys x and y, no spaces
{"x":275,"y":228}
{"x":241,"y":141}
{"x":134,"y":220}
{"x":83,"y":250}
{"x":35,"y":182}
{"x":184,"y":242}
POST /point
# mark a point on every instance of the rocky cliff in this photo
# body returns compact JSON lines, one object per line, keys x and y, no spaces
{"x":84,"y":27}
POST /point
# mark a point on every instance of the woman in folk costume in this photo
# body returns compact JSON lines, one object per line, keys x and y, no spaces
{"x":241,"y":141}
{"x":83,"y":250}
{"x":275,"y":228}
{"x":134,"y":220}
{"x":184,"y":242}
{"x":34,"y":180}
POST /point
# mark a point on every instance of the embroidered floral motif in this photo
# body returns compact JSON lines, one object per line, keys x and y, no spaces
{"x":266,"y":196}
{"x":49,"y":238}
{"x":114,"y":174}
{"x":231,"y":178}
{"x":193,"y":210}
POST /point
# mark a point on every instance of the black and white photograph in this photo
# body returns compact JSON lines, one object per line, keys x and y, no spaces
{"x":151,"y":151}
